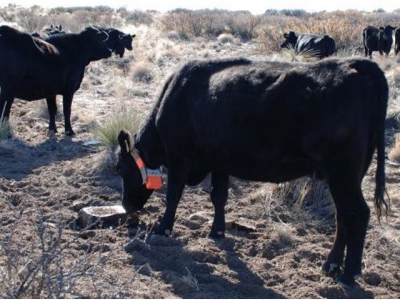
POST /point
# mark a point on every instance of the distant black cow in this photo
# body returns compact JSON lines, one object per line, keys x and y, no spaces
{"x":378,"y":39}
{"x":397,"y":41}
{"x":53,"y":29}
{"x":118,"y":41}
{"x":266,"y":121}
{"x":318,"y":45}
{"x":33,"y":69}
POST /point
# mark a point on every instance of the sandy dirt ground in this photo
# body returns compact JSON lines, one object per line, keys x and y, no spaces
{"x":273,"y":248}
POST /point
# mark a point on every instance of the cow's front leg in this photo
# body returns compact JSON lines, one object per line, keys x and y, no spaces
{"x":67,"y":103}
{"x":176,"y":183}
{"x":219,"y":195}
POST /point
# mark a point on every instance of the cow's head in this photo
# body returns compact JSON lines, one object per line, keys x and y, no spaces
{"x":135,"y":193}
{"x":96,"y":43}
{"x":387,"y":31}
{"x":290,"y":40}
{"x":123,"y":41}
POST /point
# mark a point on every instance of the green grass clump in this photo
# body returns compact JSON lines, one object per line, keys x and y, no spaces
{"x":108,"y":131}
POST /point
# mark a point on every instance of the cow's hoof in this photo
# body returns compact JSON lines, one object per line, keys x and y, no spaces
{"x":347,"y":282}
{"x":216,"y":235}
{"x":52,"y":133}
{"x":157,"y":240}
{"x":331,"y":269}
{"x":70,"y":133}
{"x":160,"y":232}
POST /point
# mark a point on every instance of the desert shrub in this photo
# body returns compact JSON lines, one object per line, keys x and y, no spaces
{"x":107,"y":132}
{"x":99,"y":16}
{"x":189,"y":23}
{"x":31,"y":20}
{"x":225,"y":38}
{"x":244,"y":25}
{"x":142,"y":72}
{"x":42,"y":266}
{"x":137,"y":17}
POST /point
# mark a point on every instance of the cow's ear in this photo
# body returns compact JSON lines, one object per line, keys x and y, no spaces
{"x":285,"y":35}
{"x":125,"y":141}
{"x":133,"y":35}
{"x":381,"y":28}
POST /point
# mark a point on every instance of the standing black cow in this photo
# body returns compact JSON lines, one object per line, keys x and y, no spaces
{"x":33,"y":69}
{"x":319,"y":45}
{"x":378,"y":39}
{"x":118,"y":41}
{"x":397,"y":41}
{"x":266,"y":121}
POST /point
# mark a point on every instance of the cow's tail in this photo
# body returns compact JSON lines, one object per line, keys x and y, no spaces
{"x":381,"y":206}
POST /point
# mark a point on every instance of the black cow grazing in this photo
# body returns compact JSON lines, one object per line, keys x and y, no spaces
{"x":397,"y":41}
{"x":118,"y":41}
{"x":319,"y":45}
{"x":378,"y":39}
{"x":33,"y":69}
{"x":52,"y":30}
{"x":266,"y":121}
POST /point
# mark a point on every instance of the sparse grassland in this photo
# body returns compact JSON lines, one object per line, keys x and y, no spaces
{"x":280,"y":235}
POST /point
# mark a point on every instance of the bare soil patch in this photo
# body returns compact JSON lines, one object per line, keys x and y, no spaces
{"x":273,"y":248}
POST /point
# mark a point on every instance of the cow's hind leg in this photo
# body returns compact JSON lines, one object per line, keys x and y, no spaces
{"x":219,"y":195}
{"x":352,"y":216}
{"x":52,"y":108}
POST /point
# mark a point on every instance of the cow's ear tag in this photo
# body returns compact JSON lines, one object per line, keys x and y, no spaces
{"x":154,"y":179}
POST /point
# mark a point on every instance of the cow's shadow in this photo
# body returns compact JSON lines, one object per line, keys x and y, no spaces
{"x":18,"y":159}
{"x":196,"y":275}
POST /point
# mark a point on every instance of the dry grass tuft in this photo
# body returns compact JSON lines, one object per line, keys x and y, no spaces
{"x":394,"y":152}
{"x":142,"y":72}
{"x":307,"y":192}
{"x":225,"y":38}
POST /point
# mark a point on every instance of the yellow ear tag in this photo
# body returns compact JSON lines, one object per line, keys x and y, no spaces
{"x":154,"y":179}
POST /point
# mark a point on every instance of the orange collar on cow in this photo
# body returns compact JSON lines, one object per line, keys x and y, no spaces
{"x":151,"y":178}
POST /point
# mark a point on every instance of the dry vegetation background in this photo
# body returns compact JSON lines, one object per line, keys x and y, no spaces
{"x":278,"y":236}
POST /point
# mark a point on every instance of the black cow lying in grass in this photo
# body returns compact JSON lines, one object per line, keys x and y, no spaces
{"x":266,"y":121}
{"x":320,"y":46}
{"x":33,"y":69}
